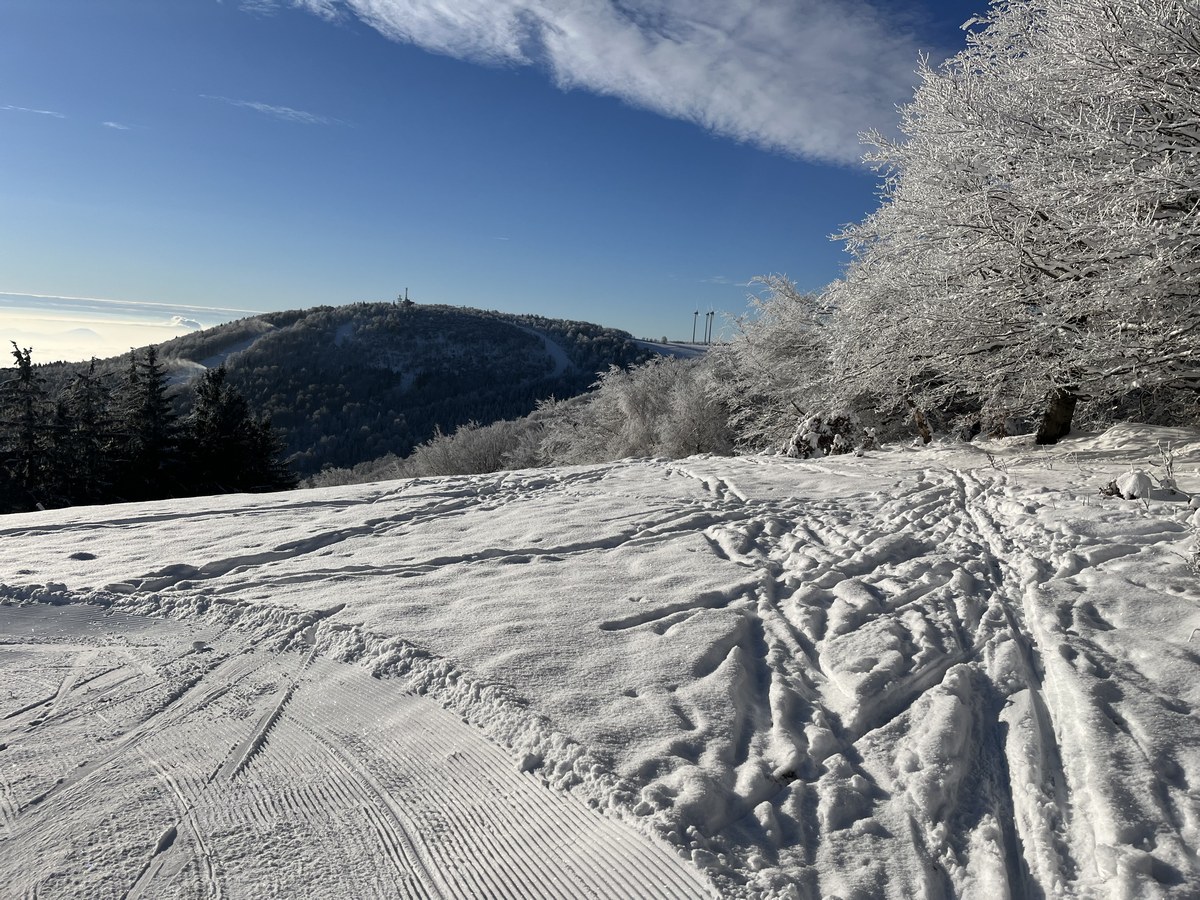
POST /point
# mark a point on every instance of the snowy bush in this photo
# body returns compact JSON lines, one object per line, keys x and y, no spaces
{"x":471,"y":449}
{"x":823,"y":435}
{"x":666,"y":407}
{"x":1134,"y":485}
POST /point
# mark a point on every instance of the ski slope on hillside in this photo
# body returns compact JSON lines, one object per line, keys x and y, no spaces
{"x":930,"y":672}
{"x":164,"y":759}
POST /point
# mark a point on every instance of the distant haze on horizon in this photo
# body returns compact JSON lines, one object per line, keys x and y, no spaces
{"x":619,"y":163}
{"x":76,"y":329}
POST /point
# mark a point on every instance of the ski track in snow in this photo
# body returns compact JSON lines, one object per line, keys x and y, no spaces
{"x":558,"y":356}
{"x":240,"y":772}
{"x":915,"y":674}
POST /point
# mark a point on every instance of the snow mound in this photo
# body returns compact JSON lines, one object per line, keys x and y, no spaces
{"x":1134,"y":485}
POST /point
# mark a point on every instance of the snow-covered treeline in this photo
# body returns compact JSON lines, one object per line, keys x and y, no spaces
{"x":666,"y":407}
{"x":1037,"y":243}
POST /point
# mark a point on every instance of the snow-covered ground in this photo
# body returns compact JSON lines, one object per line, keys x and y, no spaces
{"x":184,"y":370}
{"x":930,"y":672}
{"x":678,"y":349}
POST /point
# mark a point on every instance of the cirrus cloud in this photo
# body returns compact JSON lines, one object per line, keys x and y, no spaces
{"x":802,"y":77}
{"x":36,"y":112}
{"x":284,"y":113}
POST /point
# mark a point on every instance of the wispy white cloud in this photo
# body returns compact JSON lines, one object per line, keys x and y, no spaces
{"x":115,"y":125}
{"x":723,"y":279}
{"x":39,"y":112}
{"x":284,"y":113}
{"x":24,"y":299}
{"x":803,"y":77}
{"x":259,"y":7}
{"x":326,"y":9}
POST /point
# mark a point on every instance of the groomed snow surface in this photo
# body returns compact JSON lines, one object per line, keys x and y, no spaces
{"x":956,"y":671}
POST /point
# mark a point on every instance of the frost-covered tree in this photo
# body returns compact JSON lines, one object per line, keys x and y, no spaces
{"x":1039,"y":239}
{"x":775,"y":372}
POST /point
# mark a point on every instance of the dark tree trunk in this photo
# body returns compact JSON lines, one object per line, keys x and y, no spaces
{"x":920,"y":421}
{"x":1056,"y":421}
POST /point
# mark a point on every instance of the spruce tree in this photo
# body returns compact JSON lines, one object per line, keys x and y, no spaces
{"x":90,"y":437}
{"x":150,"y":430}
{"x":217,"y":433}
{"x":228,"y":449}
{"x":267,"y":471}
{"x":22,"y":420}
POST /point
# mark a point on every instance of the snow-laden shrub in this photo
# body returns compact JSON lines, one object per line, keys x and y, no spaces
{"x":1132,"y":485}
{"x":823,"y":434}
{"x":1135,"y":485}
{"x":666,"y":407}
{"x":470,"y":450}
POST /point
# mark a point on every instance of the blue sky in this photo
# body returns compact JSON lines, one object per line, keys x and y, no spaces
{"x":620,"y":162}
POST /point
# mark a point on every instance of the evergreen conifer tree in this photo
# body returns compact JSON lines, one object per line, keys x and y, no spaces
{"x":150,"y":430}
{"x":227,"y":447}
{"x":89,"y":437}
{"x":22,"y":412}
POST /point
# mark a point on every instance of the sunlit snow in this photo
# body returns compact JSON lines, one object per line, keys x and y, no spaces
{"x":930,"y":672}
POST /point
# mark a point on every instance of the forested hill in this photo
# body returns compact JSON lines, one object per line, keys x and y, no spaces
{"x":350,"y":383}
